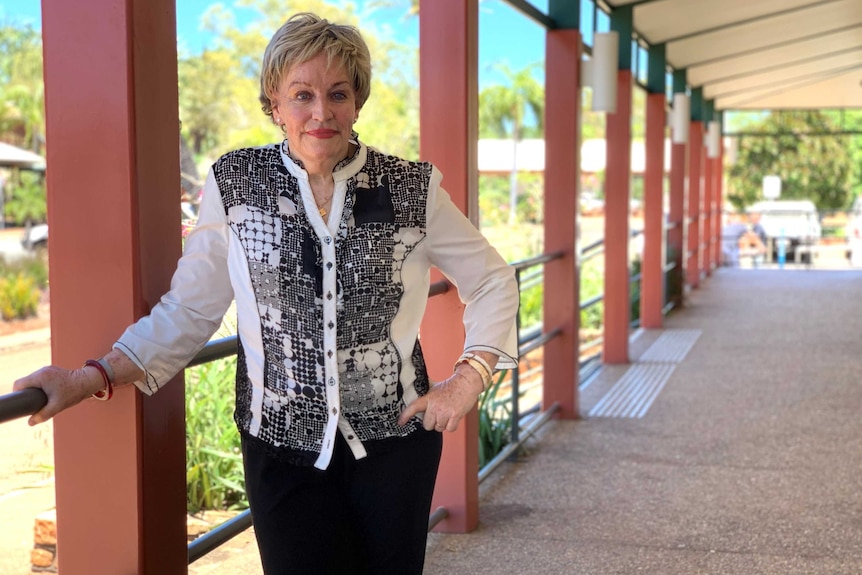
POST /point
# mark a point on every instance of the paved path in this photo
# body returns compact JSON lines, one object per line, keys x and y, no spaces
{"x":26,"y":456}
{"x":748,"y":461}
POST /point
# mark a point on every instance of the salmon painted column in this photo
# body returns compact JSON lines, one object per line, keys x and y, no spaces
{"x":448,"y":114}
{"x":562,"y":174}
{"x":652,"y":265}
{"x":695,"y":187}
{"x":617,"y":193}
{"x":678,"y":191}
{"x":113,"y":199}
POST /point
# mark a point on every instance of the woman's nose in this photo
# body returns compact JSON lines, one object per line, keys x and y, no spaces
{"x":321,"y":109}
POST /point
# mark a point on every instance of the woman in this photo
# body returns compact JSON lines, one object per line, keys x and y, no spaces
{"x":326,"y":246}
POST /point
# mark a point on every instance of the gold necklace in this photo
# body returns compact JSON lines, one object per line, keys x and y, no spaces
{"x":322,"y":210}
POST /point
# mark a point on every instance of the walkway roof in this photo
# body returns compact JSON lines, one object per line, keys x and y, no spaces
{"x":763,"y":54}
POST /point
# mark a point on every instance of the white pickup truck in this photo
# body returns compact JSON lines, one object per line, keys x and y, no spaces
{"x":797,"y":222}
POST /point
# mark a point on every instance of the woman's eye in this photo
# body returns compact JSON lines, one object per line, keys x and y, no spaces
{"x":339,"y":96}
{"x":302,"y":96}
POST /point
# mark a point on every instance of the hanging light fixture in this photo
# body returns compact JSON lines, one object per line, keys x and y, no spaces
{"x":680,"y":118}
{"x":600,"y":71}
{"x":713,"y":139}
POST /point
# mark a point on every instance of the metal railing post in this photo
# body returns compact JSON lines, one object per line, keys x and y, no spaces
{"x":516,"y":378}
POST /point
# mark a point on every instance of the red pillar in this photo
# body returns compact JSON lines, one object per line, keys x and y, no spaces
{"x":113,"y":195}
{"x":617,"y":194}
{"x":652,"y":266}
{"x":448,"y":114}
{"x":695,"y":167}
{"x":562,"y":174}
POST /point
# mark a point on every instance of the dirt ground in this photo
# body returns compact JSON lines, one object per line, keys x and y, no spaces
{"x":26,"y":453}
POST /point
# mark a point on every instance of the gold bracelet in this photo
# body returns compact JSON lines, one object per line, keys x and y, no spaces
{"x":480,"y":359}
{"x":480,"y":369}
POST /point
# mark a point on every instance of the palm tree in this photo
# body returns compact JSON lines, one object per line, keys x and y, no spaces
{"x":504,"y":112}
{"x":22,"y":116}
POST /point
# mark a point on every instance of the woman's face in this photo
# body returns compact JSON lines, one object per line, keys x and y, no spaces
{"x":317,"y":106}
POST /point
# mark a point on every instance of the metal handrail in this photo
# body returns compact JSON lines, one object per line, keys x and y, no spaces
{"x":536,"y":260}
{"x":216,"y":349}
{"x":219,"y":535}
{"x":21,"y":403}
{"x":530,"y":340}
{"x":29,"y":401}
{"x":436,"y":517}
{"x":224,"y":532}
{"x":514,"y":446}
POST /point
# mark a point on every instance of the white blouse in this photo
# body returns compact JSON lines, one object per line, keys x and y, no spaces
{"x":328,"y":312}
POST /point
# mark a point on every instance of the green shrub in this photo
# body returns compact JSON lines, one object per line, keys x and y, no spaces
{"x":495,"y":422}
{"x":592,"y":284}
{"x":27,"y":201}
{"x":35,"y":268}
{"x":214,"y":476}
{"x":531,"y":305}
{"x":19,"y":297}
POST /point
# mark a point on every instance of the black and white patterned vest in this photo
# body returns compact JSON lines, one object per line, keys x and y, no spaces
{"x":383,"y":220}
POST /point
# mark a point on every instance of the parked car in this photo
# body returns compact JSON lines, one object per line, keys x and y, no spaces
{"x":853,"y":233}
{"x":35,"y":237}
{"x":795,"y":223}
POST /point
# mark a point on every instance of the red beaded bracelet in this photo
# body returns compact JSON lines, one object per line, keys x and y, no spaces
{"x":108,"y":392}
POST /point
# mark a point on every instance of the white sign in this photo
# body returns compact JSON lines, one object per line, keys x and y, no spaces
{"x":771,"y":187}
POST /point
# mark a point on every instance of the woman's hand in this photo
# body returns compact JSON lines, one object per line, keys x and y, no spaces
{"x":63,"y":387}
{"x":447,"y":402}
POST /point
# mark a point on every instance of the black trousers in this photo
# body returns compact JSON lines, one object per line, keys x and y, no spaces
{"x":358,"y":517}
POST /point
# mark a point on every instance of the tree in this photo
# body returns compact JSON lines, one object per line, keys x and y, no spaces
{"x":514,"y":111}
{"x":22,"y":112}
{"x":814,"y":167}
{"x":209,"y":109}
{"x":26,"y":198}
{"x":230,"y":73}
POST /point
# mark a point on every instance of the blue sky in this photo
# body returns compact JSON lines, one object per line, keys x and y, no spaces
{"x":505,"y":35}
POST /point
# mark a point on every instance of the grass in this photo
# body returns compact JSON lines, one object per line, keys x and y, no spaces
{"x":214,"y":472}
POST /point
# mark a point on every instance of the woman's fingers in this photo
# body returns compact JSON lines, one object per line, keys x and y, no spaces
{"x":416,"y":407}
{"x":445,"y":404}
{"x":63,"y":388}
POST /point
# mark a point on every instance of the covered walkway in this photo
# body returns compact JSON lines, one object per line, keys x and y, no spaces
{"x":748,"y":461}
{"x":729,"y":462}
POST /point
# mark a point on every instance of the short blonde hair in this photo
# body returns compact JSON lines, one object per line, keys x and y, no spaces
{"x":305,"y":36}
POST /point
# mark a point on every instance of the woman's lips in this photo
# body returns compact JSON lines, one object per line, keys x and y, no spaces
{"x":322,"y":133}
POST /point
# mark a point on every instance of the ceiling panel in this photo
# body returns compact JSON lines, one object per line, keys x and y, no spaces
{"x":747,"y":53}
{"x":838,"y":91}
{"x":766,"y":79}
{"x":770,"y":58}
{"x":662,"y":21}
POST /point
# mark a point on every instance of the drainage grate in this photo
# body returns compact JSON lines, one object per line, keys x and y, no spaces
{"x":635,"y":392}
{"x":673,"y":345}
{"x":640,"y":385}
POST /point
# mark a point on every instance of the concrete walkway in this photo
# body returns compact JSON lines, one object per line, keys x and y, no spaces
{"x":748,"y":461}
